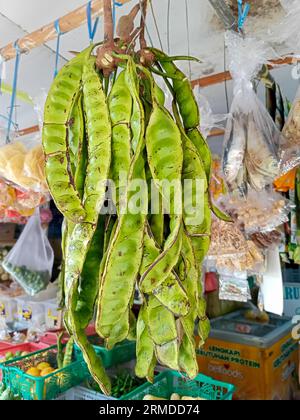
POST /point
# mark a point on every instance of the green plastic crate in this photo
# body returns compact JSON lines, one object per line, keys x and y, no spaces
{"x":43,"y":388}
{"x":121,"y":353}
{"x":169,"y":382}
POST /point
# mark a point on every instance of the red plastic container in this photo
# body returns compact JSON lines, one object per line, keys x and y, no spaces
{"x":29,"y":347}
{"x":50,"y":338}
{"x":5,"y":344}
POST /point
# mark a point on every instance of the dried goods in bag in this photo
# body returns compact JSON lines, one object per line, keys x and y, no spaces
{"x":230,"y":252}
{"x":23,"y":166}
{"x":252,"y":140}
{"x":258,"y":212}
{"x":227,"y":240}
{"x":30,"y":261}
{"x":290,"y":151}
{"x":234,"y":287}
{"x":16,"y":205}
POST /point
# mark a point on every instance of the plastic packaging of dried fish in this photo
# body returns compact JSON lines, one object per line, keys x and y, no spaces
{"x":252,"y":140}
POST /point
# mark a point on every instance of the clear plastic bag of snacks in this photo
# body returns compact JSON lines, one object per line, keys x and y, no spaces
{"x":226,"y":240}
{"x":290,"y":150}
{"x":258,"y":211}
{"x":23,"y":164}
{"x":252,"y":140}
{"x":30,"y":262}
{"x":234,"y":287}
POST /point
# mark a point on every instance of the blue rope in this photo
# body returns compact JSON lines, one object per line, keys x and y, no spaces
{"x":59,"y":34}
{"x":243,"y":13}
{"x":92,"y":28}
{"x":7,"y":119}
{"x":115,"y":5}
{"x":14,"y":90}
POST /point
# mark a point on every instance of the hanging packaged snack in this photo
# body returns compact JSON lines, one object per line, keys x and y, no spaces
{"x":234,"y":287}
{"x":217,"y":184}
{"x":290,"y":154}
{"x":23,"y":165}
{"x":16,"y":205}
{"x":286,"y":38}
{"x":259,"y":211}
{"x":252,"y":140}
{"x":230,"y":252}
{"x":30,"y":262}
{"x":227,"y":240}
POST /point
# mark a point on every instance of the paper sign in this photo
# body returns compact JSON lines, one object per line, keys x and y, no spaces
{"x":272,"y":288}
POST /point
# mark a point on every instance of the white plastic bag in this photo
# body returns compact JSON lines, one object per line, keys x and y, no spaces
{"x":287,"y":32}
{"x":30,"y":261}
{"x":208,"y":120}
{"x":252,"y":140}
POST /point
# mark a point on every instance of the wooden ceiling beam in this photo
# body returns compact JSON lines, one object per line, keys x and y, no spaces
{"x":29,"y":130}
{"x":67,"y":23}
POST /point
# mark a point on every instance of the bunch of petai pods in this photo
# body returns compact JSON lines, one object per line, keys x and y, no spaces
{"x":94,"y":129}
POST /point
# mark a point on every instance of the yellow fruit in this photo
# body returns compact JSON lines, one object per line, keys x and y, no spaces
{"x":43,"y":365}
{"x":47,"y":371}
{"x":33,"y":372}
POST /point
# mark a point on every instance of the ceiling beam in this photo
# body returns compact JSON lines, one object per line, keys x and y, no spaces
{"x":67,"y":23}
{"x":29,"y":130}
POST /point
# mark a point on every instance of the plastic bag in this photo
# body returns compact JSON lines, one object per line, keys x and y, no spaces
{"x":290,"y":150}
{"x":24,"y":164}
{"x":30,"y":262}
{"x":286,"y":182}
{"x":209,"y":120}
{"x":266,"y":240}
{"x":39,"y":105}
{"x":17,"y":205}
{"x":230,"y":252}
{"x":258,"y":212}
{"x":4,"y":331}
{"x":252,"y":140}
{"x":226,"y":241}
{"x":234,"y":288}
{"x":217,"y":184}
{"x":287,"y":32}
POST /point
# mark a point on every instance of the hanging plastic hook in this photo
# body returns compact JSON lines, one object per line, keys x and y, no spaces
{"x":14,"y":90}
{"x":243,"y":13}
{"x":92,"y":28}
{"x":59,"y":34}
